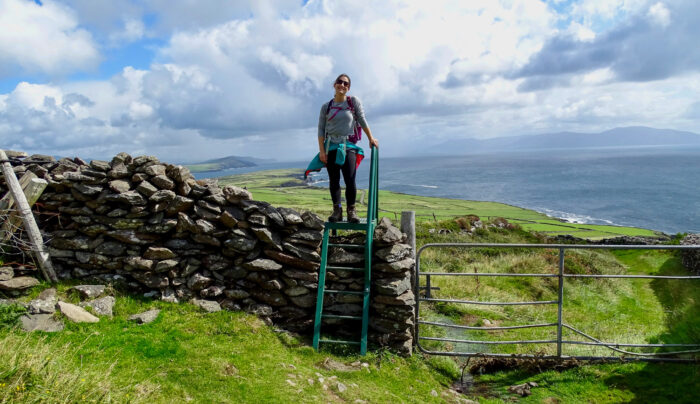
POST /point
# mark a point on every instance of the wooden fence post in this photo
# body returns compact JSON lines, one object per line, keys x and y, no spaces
{"x":408,"y":226}
{"x":28,"y":218}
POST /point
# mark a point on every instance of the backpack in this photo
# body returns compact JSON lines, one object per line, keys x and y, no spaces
{"x":357,"y":129}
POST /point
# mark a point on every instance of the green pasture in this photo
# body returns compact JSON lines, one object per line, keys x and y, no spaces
{"x":287,"y":188}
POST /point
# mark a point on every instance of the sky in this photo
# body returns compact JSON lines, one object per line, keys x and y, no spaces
{"x":190,"y":80}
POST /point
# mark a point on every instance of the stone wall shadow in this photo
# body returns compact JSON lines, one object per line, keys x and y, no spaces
{"x":670,"y":382}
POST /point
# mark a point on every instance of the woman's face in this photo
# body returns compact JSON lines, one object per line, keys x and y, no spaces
{"x":342,"y":85}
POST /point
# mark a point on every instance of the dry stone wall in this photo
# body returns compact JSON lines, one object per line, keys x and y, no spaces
{"x":151,"y":227}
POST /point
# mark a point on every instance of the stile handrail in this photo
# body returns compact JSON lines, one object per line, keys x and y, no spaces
{"x":560,"y":325}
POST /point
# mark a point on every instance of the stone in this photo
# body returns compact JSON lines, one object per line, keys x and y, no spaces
{"x":204,"y":227}
{"x":151,"y":280}
{"x":146,"y":188}
{"x":261,"y":310}
{"x":95,"y":260}
{"x":262,"y":264}
{"x":386,"y":233}
{"x":131,"y":237}
{"x":312,"y":220}
{"x":393,"y":286}
{"x":100,"y":165}
{"x":241,"y":244}
{"x":209,"y":206}
{"x":198,"y":281}
{"x":18,"y":283}
{"x":102,"y":306}
{"x":111,"y":248}
{"x":145,"y":317}
{"x":394,"y":253}
{"x":119,"y":186}
{"x":405,"y":264}
{"x":89,"y":291}
{"x":179,"y":173}
{"x":162,"y":196}
{"x":235,"y":194}
{"x":236,"y":294}
{"x":76,"y":314}
{"x":163,"y":182}
{"x":290,"y":216}
{"x":209,"y":306}
{"x":6,"y":273}
{"x":391,"y":326}
{"x":158,"y":253}
{"x":308,"y":300}
{"x":45,"y":303}
{"x":405,"y":299}
{"x":179,"y":204}
{"x":302,"y":275}
{"x":212,"y":291}
{"x":522,"y":389}
{"x":166,"y":265}
{"x":302,"y":252}
{"x":129,"y":198}
{"x":155,"y":170}
{"x":342,"y":257}
{"x":268,"y":237}
{"x":691,"y":258}
{"x":88,"y":190}
{"x":206,"y":239}
{"x":138,"y":263}
{"x":118,"y":170}
{"x":296,"y":291}
{"x":291,"y":260}
{"x":40,"y":322}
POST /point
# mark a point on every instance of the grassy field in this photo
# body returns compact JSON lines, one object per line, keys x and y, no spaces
{"x":286,"y":188}
{"x":190,"y":356}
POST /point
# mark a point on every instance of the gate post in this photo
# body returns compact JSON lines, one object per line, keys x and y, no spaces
{"x":560,"y":301}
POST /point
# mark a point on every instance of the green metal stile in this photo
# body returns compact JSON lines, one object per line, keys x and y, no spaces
{"x":368,"y":225}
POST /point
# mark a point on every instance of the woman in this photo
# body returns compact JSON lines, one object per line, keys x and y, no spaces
{"x":336,"y":124}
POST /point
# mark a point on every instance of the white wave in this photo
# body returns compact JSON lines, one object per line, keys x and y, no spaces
{"x":422,"y":186}
{"x":575,"y":218}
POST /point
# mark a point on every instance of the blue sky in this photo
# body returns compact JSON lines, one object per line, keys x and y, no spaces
{"x":189,"y":80}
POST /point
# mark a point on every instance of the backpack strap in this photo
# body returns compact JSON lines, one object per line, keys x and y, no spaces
{"x":328,"y":108}
{"x":350,"y":104}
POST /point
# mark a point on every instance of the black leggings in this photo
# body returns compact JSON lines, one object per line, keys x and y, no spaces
{"x":348,"y":170}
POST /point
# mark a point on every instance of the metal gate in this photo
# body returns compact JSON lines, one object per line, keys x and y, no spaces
{"x":559,"y":325}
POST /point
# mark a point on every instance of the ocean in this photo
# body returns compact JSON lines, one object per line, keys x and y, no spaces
{"x":650,"y":187}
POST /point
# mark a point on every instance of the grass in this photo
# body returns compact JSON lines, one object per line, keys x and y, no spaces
{"x":190,"y":356}
{"x":286,"y":188}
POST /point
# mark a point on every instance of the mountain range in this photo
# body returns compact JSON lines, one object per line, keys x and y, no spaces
{"x":633,"y":136}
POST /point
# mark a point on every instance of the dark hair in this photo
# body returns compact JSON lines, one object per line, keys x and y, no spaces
{"x":346,"y":76}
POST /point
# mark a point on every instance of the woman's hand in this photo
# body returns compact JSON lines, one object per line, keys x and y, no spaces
{"x":322,"y":156}
{"x":374,"y":142}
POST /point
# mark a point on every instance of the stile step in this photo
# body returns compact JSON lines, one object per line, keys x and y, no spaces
{"x":340,"y":316}
{"x":341,"y":245}
{"x":338,"y":341}
{"x":347,"y":292}
{"x":350,"y":269}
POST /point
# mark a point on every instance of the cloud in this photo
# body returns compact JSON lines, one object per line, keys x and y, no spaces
{"x":651,"y":45}
{"x":43,"y":39}
{"x":250,"y":77}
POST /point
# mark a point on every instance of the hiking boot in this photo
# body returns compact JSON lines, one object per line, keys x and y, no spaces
{"x":352,"y":215}
{"x":337,"y":215}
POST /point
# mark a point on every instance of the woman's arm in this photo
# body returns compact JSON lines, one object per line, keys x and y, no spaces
{"x":360,"y":116}
{"x":322,"y":134}
{"x":322,"y":150}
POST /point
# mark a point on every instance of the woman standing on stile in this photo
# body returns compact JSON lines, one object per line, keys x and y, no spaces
{"x":337,"y":152}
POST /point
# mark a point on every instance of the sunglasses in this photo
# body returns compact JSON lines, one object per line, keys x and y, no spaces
{"x":343,"y":83}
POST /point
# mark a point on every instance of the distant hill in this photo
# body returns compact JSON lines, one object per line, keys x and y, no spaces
{"x":619,"y":137}
{"x":224,"y":163}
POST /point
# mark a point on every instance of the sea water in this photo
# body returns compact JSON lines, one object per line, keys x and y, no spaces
{"x":651,"y":187}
